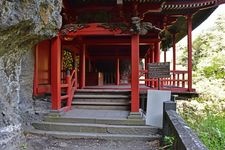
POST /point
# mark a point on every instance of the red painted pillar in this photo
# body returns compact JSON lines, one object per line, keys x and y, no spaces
{"x":174,"y":52}
{"x":157,"y":58}
{"x":189,"y":42}
{"x":56,"y":73}
{"x":117,"y":71}
{"x":174,"y":58}
{"x":157,"y":52}
{"x":82,"y":66}
{"x":135,"y":73}
{"x":146,"y":62}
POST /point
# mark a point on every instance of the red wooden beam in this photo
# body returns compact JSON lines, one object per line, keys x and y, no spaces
{"x":119,"y":41}
{"x":93,"y":58}
{"x":135,"y":73}
{"x":55,"y":72}
{"x":95,"y":29}
{"x":189,"y":27}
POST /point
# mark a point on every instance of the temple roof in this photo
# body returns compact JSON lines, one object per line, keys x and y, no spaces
{"x":162,"y":14}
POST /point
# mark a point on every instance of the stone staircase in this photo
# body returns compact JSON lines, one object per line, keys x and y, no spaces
{"x":96,"y":128}
{"x":102,"y":99}
{"x":98,"y":114}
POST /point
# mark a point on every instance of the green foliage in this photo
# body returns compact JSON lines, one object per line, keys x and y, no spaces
{"x":212,"y":132}
{"x":210,"y":128}
{"x":168,"y":142}
{"x":213,"y":66}
{"x":206,"y":114}
{"x":207,"y":46}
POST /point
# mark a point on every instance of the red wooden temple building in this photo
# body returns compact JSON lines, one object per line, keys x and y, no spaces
{"x":108,"y":43}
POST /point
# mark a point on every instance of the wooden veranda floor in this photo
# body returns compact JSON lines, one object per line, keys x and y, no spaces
{"x":181,"y":92}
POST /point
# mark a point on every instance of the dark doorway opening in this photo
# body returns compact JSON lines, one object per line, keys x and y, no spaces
{"x":108,"y":69}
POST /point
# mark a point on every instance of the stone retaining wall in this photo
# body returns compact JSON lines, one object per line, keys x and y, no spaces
{"x":23,"y":23}
{"x":174,"y":125}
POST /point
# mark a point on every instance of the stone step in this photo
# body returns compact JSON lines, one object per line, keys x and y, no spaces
{"x":108,"y":121}
{"x":103,"y":91}
{"x":100,"y":96}
{"x":78,"y":102}
{"x":101,"y":100}
{"x":96,"y":128}
{"x":103,"y":136}
{"x":101,"y":107}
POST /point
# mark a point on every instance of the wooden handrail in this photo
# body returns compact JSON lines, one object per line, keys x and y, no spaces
{"x":178,"y":79}
{"x":70,"y":85}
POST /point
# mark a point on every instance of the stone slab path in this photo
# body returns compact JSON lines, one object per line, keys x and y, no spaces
{"x":49,"y":143}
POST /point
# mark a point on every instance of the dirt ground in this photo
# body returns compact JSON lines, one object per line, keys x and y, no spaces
{"x":35,"y":142}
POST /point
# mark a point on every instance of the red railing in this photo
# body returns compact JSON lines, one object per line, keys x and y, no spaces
{"x":178,"y":80}
{"x":69,"y":86}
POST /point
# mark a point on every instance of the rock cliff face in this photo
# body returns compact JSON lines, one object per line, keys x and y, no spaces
{"x":23,"y":23}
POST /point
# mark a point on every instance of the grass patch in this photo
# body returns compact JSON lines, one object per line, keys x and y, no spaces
{"x":210,"y":129}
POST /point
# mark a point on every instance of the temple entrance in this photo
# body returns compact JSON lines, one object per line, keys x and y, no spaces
{"x":101,"y":73}
{"x":108,"y":69}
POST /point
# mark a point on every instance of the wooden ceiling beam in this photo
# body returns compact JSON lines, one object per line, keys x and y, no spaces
{"x":118,"y":42}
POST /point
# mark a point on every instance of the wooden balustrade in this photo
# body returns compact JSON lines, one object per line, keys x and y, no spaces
{"x":178,"y":79}
{"x":69,"y":88}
